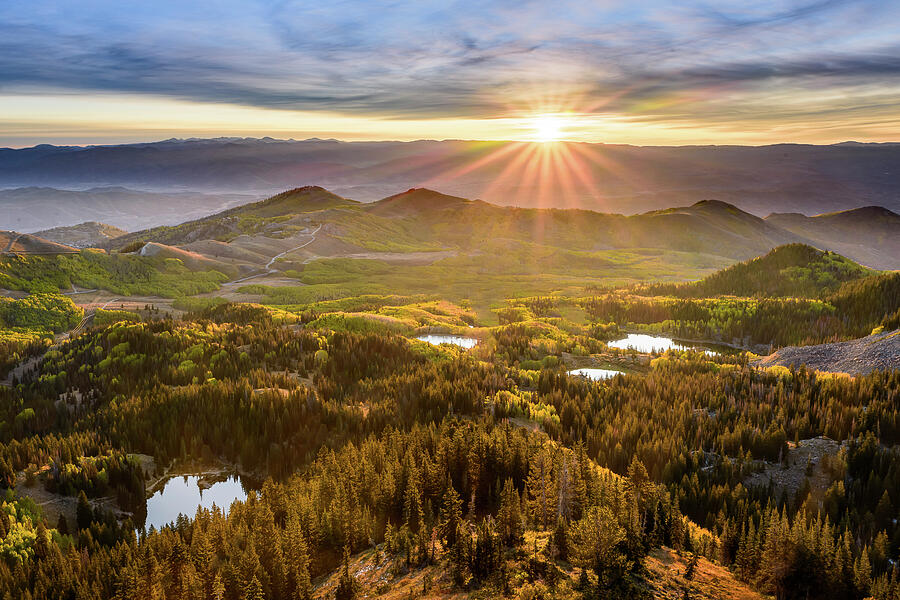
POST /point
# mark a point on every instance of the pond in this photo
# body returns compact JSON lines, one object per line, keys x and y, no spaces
{"x":443,"y":338}
{"x":596,"y":374}
{"x":183,"y":495}
{"x":653,"y":343}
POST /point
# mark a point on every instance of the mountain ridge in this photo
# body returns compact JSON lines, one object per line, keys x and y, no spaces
{"x":812,"y":178}
{"x":429,"y":220}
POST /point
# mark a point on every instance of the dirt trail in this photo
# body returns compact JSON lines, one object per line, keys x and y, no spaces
{"x":268,"y":267}
{"x":12,"y":241}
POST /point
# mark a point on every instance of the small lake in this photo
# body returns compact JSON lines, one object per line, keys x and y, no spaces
{"x":653,"y":343}
{"x":596,"y":374}
{"x":441,"y":338}
{"x":182,"y":495}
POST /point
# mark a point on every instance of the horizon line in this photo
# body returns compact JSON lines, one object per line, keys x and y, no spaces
{"x":270,"y":139}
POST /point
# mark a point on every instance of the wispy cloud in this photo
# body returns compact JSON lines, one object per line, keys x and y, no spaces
{"x":462,"y":58}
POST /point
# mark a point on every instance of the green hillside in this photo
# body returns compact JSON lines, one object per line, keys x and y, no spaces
{"x":706,"y":227}
{"x":791,"y":270}
{"x":270,"y":217}
{"x":27,"y":325}
{"x":126,"y":275}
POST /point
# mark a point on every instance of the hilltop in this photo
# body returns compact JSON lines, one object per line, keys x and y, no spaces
{"x":870,"y":234}
{"x":84,"y":235}
{"x":14,"y":242}
{"x":789,"y":270}
{"x":266,"y":218}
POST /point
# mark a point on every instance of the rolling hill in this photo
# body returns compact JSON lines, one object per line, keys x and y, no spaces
{"x":423,"y":220}
{"x":13,"y":242}
{"x":421,"y":240}
{"x":425,"y":226}
{"x":267,"y":218}
{"x":789,"y":270}
{"x":871,"y":234}
{"x":84,"y":235}
{"x":614,"y":178}
{"x":709,"y":226}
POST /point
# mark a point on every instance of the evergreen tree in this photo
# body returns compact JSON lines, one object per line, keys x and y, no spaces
{"x":540,"y":486}
{"x":84,"y":514}
{"x":253,"y":590}
{"x":450,"y":517}
{"x":347,"y":587}
{"x":509,"y":519}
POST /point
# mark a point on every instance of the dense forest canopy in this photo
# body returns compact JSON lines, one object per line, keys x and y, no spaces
{"x":490,"y":462}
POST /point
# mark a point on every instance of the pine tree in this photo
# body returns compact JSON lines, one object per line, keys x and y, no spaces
{"x":218,"y":588}
{"x":84,"y":514}
{"x":637,"y":489}
{"x":509,"y":518}
{"x":565,"y":492}
{"x":540,"y":486}
{"x":596,"y":544}
{"x":413,"y":513}
{"x":253,"y":590}
{"x":560,"y":539}
{"x":300,"y":564}
{"x":347,"y":587}
{"x":884,"y":511}
{"x":450,"y":517}
{"x":41,"y":541}
{"x":862,"y":573}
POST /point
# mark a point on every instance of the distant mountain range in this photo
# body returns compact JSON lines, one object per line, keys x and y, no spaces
{"x":427,"y":222}
{"x":804,"y":179}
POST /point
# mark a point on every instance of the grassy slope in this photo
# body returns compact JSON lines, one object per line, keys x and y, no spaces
{"x":710,"y":582}
{"x":504,"y":271}
{"x":246,"y":219}
{"x":11,"y":241}
{"x":706,"y":227}
{"x":664,"y":581}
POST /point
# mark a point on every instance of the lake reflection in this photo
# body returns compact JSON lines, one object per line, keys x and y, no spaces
{"x":652,"y":343}
{"x":456,"y":340}
{"x":182,"y":495}
{"x":596,"y":374}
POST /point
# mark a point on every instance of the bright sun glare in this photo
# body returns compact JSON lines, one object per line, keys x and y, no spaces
{"x":547,"y":128}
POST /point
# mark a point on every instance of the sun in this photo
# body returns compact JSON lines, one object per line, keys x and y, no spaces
{"x":547,"y":128}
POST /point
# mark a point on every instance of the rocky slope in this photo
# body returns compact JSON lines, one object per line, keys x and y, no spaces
{"x":875,"y":352}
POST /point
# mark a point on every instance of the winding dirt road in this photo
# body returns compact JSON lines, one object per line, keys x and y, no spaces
{"x":268,"y":267}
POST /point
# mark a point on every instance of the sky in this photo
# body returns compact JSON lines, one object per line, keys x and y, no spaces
{"x":642,"y":71}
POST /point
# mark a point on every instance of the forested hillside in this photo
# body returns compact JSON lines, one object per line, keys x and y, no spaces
{"x":490,"y":471}
{"x":791,"y":270}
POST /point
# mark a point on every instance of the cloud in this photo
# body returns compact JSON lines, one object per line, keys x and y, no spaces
{"x":461,"y":58}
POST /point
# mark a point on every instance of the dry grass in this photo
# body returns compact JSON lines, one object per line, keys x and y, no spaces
{"x":710,"y":581}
